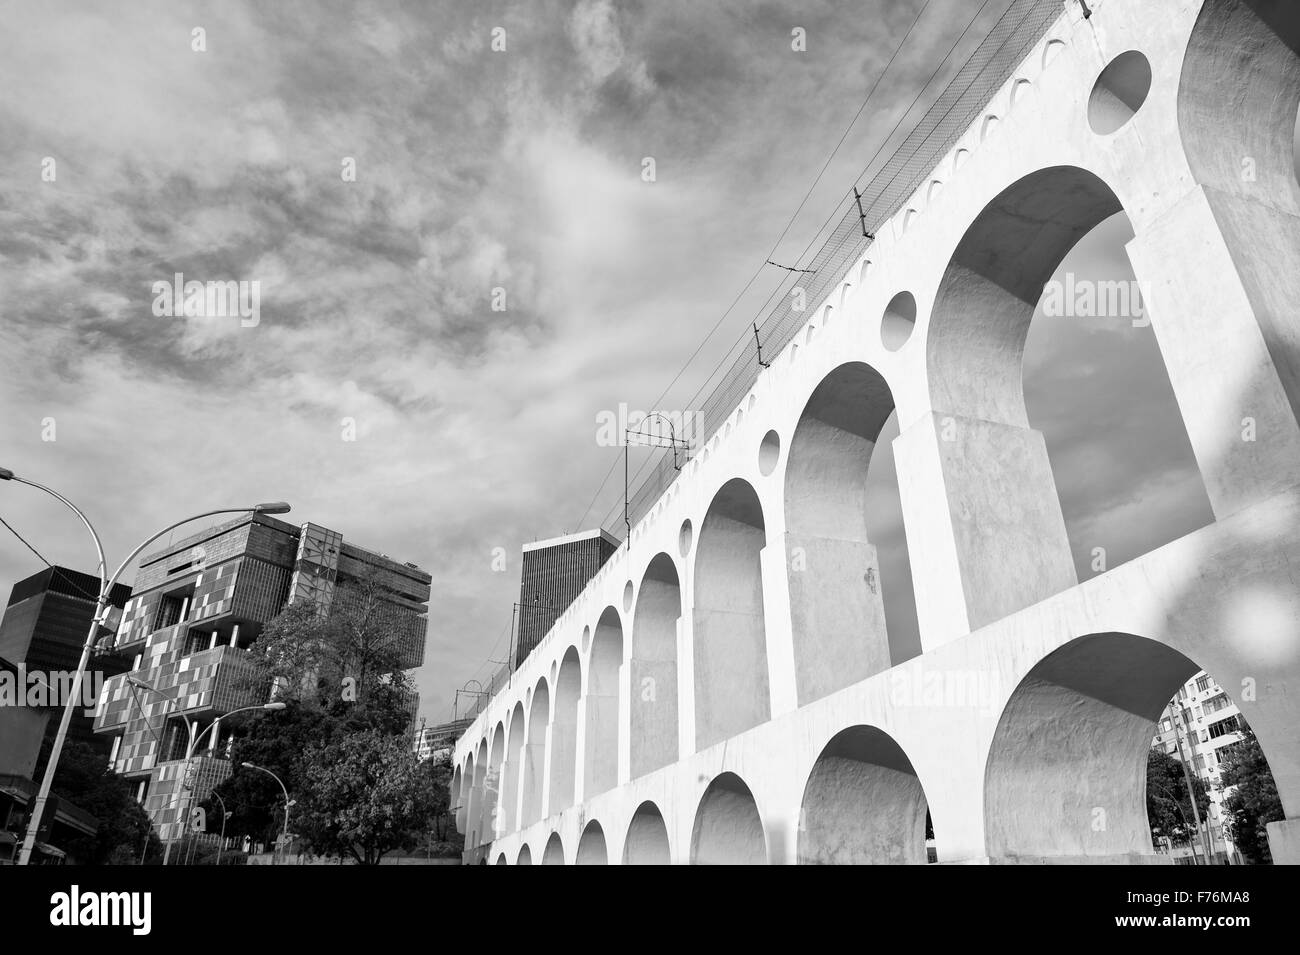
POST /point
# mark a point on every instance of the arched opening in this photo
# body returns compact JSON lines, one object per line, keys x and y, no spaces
{"x":492,"y":818}
{"x":1011,"y":541}
{"x":554,"y":853}
{"x":1067,"y":772}
{"x":647,"y":838}
{"x":474,"y":811}
{"x":863,"y":804}
{"x":508,"y":815}
{"x":591,"y":846}
{"x":458,"y":798}
{"x":525,"y":857}
{"x":731,"y":684}
{"x":728,"y":828}
{"x":564,"y":732}
{"x":601,"y":763}
{"x":845,"y":604}
{"x":534,"y":777}
{"x":1243,"y":146}
{"x":653,"y":683}
{"x":501,"y":859}
{"x":1096,"y":388}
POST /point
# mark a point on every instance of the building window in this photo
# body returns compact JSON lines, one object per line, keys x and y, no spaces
{"x":1230,"y":725}
{"x":1203,"y":683}
{"x":1216,"y":703}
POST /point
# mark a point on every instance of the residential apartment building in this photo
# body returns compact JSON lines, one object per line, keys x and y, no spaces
{"x":198,"y":605}
{"x":1199,"y":726}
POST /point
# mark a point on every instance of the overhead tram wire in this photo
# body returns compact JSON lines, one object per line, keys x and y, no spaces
{"x":930,"y":128}
{"x":742,"y":345}
{"x":743,"y":342}
{"x":38,"y":554}
{"x":780,"y":238}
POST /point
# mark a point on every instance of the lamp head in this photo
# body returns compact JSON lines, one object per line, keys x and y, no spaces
{"x":274,"y":707}
{"x":6,"y":474}
{"x":273,"y":507}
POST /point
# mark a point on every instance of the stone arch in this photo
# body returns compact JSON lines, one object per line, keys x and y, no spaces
{"x":837,"y":608}
{"x":997,"y":478}
{"x":1242,"y":147}
{"x":492,"y":818}
{"x":464,"y":807}
{"x":728,"y":828}
{"x":501,"y":859}
{"x":474,"y":820}
{"x":509,"y":810}
{"x":647,"y":838}
{"x":591,"y":846}
{"x":534,"y":763}
{"x":525,"y":856}
{"x":863,"y":803}
{"x":1051,"y":51}
{"x":1020,"y":90}
{"x":1065,"y":777}
{"x":730,"y":639}
{"x":554,"y":852}
{"x":458,"y":798}
{"x":564,"y":732}
{"x":993,"y":283}
{"x":603,"y":668}
{"x":653,"y":680}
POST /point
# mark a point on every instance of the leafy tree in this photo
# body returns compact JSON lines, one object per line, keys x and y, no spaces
{"x":1252,"y":801}
{"x":85,"y":779}
{"x":1169,"y":809}
{"x":364,"y":795}
{"x":351,"y":655}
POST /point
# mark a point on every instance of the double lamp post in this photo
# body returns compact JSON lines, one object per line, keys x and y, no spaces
{"x":99,"y":619}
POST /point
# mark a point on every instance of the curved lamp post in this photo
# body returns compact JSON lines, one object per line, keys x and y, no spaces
{"x":284,"y":834}
{"x":106,"y":585}
{"x":224,"y":816}
{"x":187,"y":794}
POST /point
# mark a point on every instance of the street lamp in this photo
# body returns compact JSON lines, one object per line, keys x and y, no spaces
{"x":224,"y":816}
{"x":106,"y":585}
{"x":284,"y":835}
{"x":192,"y":745}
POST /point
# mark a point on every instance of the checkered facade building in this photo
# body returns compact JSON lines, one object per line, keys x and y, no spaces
{"x":197,"y":607}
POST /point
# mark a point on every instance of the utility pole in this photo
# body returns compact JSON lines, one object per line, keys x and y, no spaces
{"x":1187,"y":777}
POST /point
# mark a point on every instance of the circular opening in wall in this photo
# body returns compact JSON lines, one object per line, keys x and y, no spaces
{"x":627,"y":597}
{"x":768,"y":452}
{"x":586,"y":639}
{"x":1120,"y":91}
{"x":684,"y":538}
{"x":898,"y":322}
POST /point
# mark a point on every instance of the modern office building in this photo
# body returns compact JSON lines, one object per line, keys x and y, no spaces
{"x":21,"y":730}
{"x":44,"y":629}
{"x":552,"y":574}
{"x":198,"y":605}
{"x":1198,"y":727}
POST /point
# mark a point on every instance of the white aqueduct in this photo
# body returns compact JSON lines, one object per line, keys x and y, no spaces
{"x":709,"y":698}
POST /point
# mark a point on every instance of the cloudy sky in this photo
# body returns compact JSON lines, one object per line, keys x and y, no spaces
{"x":518,"y":169}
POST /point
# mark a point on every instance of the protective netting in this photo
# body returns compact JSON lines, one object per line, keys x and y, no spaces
{"x":1017,"y":30}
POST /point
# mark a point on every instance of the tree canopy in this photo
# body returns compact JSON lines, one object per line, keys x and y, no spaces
{"x":1252,"y":801}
